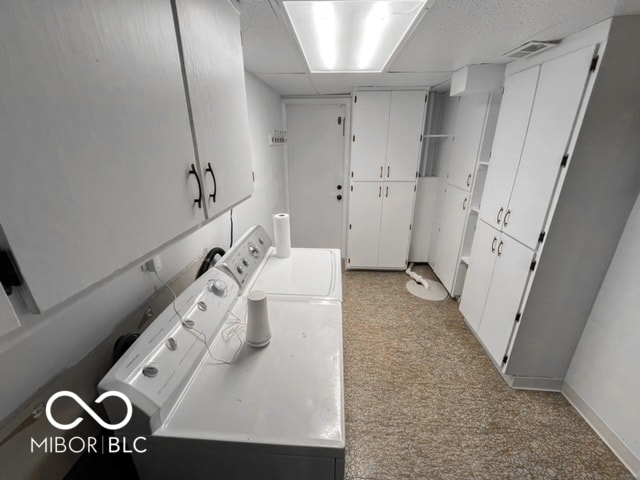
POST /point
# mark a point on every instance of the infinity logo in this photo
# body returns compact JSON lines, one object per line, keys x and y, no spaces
{"x":86,"y":408}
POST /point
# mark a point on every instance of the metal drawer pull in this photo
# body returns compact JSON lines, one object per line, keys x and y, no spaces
{"x":381,"y":168}
{"x":500,"y":248}
{"x":386,"y":193}
{"x":506,"y":218}
{"x":380,"y":191}
{"x":469,"y":180}
{"x":493,"y":245}
{"x":388,"y":170}
{"x":464,"y":204}
{"x":499,"y":217}
{"x":198,"y":200}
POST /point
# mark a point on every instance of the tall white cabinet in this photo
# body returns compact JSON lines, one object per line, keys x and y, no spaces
{"x":385,"y":152}
{"x":469,"y":124}
{"x":563,"y":177}
{"x":99,"y":167}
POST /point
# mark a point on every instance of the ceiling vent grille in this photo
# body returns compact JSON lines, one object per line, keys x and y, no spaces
{"x":530,"y":48}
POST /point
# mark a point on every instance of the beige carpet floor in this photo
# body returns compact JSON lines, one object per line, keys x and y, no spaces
{"x":423,"y":401}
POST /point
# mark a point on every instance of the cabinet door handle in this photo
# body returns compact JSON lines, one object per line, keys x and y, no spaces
{"x":469,"y":180}
{"x":381,"y":169}
{"x":506,"y":218}
{"x":209,"y":169}
{"x":464,"y":204}
{"x":388,"y":170}
{"x":493,"y":245}
{"x":380,"y":191}
{"x":499,"y":217}
{"x":500,"y":245}
{"x":386,"y":192}
{"x":194,"y":172}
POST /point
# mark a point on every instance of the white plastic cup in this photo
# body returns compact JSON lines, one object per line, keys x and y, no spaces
{"x":258,"y":329}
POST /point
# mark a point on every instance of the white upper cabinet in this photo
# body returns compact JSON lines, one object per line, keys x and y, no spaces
{"x":369,"y":135}
{"x":511,"y":129}
{"x":210,"y":34}
{"x":96,"y":144}
{"x":387,"y":135}
{"x":467,"y":139}
{"x":406,"y":117}
{"x":560,"y":89}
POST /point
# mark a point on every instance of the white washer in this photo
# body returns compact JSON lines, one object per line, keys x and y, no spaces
{"x":271,"y":413}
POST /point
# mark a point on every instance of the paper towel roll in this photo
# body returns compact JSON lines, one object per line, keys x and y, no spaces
{"x":282,"y":235}
{"x":258,"y":329}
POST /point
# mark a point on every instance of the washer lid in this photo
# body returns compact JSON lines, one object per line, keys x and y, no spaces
{"x":308,"y":272}
{"x":289,"y":393}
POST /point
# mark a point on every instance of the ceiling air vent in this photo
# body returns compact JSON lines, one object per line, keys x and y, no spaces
{"x":530,"y":48}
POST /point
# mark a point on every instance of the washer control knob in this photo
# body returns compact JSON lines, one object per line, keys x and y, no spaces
{"x":150,"y":371}
{"x":261,"y":240}
{"x":253,"y":250}
{"x":245,"y":262}
{"x":172,"y":344}
{"x":217,"y":287}
{"x":240,"y":269}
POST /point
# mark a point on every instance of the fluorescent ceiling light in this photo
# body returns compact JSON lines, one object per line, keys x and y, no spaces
{"x":351,"y":35}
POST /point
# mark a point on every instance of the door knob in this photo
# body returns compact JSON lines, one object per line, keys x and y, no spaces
{"x":339,"y":197}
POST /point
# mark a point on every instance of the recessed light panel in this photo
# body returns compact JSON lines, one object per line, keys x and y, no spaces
{"x":351,"y":35}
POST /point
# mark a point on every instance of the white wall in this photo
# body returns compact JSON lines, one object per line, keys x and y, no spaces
{"x":604,"y":371}
{"x":48,"y":344}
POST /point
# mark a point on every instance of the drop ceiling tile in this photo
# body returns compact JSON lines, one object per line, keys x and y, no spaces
{"x":289,"y":84}
{"x":340,"y":83}
{"x":412,"y":79}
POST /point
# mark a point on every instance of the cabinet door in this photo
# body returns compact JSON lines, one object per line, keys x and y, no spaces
{"x":478,"y":278}
{"x":210,"y":33}
{"x":95,"y":138}
{"x":369,"y":135}
{"x":406,"y":117}
{"x":513,"y":119}
{"x":395,"y":226}
{"x":558,"y":97}
{"x":510,"y":274}
{"x":454,"y":211}
{"x":365,"y":207}
{"x":472,"y":112}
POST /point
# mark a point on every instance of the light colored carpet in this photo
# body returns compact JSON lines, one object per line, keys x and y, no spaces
{"x":423,"y":401}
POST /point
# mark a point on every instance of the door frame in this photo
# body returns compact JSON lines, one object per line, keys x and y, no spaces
{"x":338,"y":100}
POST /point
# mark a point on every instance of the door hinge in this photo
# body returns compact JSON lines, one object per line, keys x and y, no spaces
{"x":348,"y":260}
{"x":518,"y":315}
{"x":339,"y":120}
{"x":352,"y":188}
{"x":426,"y":95}
{"x":349,"y":226}
{"x":565,"y":160}
{"x":533,"y":265}
{"x":541,"y":237}
{"x":504,"y":359}
{"x":594,"y":63}
{"x":351,"y":177}
{"x":490,"y":152}
{"x":354,"y":138}
{"x":355,"y":100}
{"x":415,"y":187}
{"x":410,"y":227}
{"x":420,"y":138}
{"x":253,"y":174}
{"x":416,"y":174}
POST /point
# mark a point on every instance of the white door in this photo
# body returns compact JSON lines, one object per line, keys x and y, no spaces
{"x":455,"y":206}
{"x":510,"y":274}
{"x":513,"y":120}
{"x":478,"y":278}
{"x":395,"y":225}
{"x":315,"y":155}
{"x":558,"y":96}
{"x":467,"y":139}
{"x":404,"y":140}
{"x":365,"y":208}
{"x":369,"y":135}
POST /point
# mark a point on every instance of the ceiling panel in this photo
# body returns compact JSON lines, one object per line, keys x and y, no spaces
{"x":289,"y":84}
{"x":335,"y":83}
{"x":413,"y":79}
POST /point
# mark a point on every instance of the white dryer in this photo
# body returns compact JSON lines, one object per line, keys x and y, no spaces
{"x":210,"y":406}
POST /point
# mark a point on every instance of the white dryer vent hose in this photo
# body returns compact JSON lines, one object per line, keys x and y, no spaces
{"x":423,"y":288}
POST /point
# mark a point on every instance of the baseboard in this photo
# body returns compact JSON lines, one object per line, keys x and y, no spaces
{"x":617,"y":446}
{"x":534,"y":383}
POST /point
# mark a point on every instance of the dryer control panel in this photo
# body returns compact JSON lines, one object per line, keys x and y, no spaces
{"x":247,"y":256}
